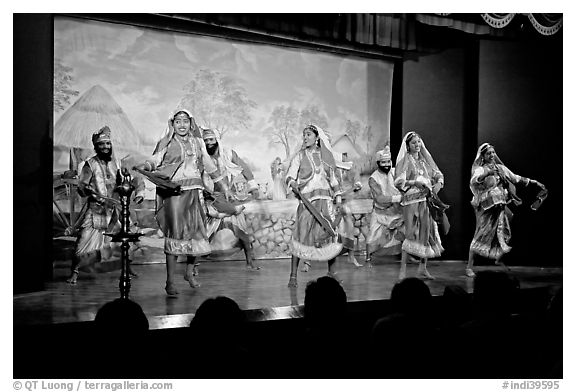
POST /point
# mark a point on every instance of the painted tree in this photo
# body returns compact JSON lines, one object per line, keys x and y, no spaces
{"x":354,"y":129}
{"x":62,"y":85}
{"x":217,"y":101}
{"x":288,"y":123}
{"x":368,"y":137}
{"x":311,"y":115}
{"x":284,"y":121}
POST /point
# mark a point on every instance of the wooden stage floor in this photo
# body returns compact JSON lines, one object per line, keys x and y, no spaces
{"x":264,"y":289}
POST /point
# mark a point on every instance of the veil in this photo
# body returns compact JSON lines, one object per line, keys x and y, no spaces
{"x":327,"y":153}
{"x":169,"y":131}
{"x":402,"y":162}
{"x":506,"y":182}
{"x":478,"y":160}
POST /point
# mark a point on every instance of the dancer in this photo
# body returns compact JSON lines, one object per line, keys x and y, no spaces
{"x":221,"y":213}
{"x":311,"y":176}
{"x":181,"y":157}
{"x":349,"y":180}
{"x":97,"y":181}
{"x":492,"y":186}
{"x":386,"y":223}
{"x":419,"y":180}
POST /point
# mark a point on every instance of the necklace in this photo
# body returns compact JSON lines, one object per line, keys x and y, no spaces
{"x":315,"y":166}
{"x":418,"y":164}
{"x":186,"y":144}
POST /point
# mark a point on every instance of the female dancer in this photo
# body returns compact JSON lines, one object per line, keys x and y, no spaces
{"x":492,"y":186}
{"x":181,"y":157}
{"x":311,"y":176}
{"x":419,"y":180}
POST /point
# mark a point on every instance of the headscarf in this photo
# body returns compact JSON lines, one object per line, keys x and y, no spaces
{"x":402,"y":163}
{"x":326,"y":152}
{"x":478,"y":161}
{"x":169,"y":131}
{"x":232,"y":170}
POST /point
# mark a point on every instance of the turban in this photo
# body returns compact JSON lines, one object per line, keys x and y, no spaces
{"x":206,"y":133}
{"x":384,"y":155}
{"x":101,"y":135}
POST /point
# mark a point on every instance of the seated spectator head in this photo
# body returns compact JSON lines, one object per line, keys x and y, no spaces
{"x":455,"y":304}
{"x":122,"y":314}
{"x":220,"y":316}
{"x":324,"y":301}
{"x":411,"y":296}
{"x":494,"y":292}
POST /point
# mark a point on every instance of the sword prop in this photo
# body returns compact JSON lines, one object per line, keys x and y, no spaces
{"x":325,"y":223}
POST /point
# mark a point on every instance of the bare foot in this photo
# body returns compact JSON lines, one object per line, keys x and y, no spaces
{"x":171,"y":290}
{"x":253,"y":267}
{"x":189,"y":277}
{"x":132,"y":273}
{"x":73,"y":279}
{"x":355,"y":262}
{"x":334,"y":275}
{"x":424,"y":274}
{"x":292,"y":282}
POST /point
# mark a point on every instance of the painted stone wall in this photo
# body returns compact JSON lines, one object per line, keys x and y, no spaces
{"x":270,"y":224}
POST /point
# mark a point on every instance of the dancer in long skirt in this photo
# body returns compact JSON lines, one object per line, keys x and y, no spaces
{"x":492,"y":186}
{"x":312,"y":175}
{"x":181,"y":158}
{"x":419,"y":180}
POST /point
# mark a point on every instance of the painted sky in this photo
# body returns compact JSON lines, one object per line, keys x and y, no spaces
{"x":145,"y":70}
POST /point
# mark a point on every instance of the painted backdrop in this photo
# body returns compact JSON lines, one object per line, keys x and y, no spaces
{"x":258,"y":96}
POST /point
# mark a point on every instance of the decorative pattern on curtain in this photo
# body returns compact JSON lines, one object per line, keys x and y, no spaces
{"x":370,"y":31}
{"x":498,"y":20}
{"x":545,"y":24}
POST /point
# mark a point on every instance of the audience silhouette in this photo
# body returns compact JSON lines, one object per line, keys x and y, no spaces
{"x":403,"y":340}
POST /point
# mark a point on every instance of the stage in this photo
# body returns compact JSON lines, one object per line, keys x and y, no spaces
{"x":263,"y":293}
